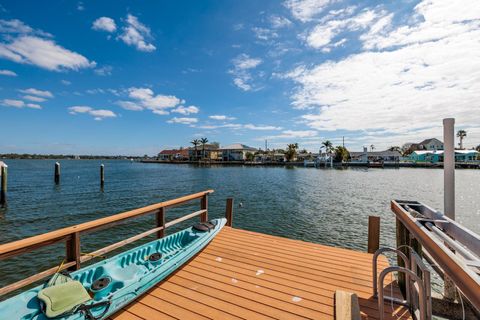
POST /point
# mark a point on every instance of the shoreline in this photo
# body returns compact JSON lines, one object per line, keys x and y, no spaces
{"x":301,"y":164}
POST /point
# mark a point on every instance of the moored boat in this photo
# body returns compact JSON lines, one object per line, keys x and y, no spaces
{"x":114,"y":282}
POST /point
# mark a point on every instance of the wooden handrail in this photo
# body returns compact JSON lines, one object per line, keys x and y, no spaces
{"x":25,"y":245}
{"x":72,"y":236}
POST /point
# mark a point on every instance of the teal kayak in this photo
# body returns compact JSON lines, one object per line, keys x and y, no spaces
{"x":114,"y":282}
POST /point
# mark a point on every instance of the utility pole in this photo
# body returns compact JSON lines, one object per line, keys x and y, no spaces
{"x":343,"y":142}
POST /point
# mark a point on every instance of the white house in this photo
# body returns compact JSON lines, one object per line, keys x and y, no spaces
{"x":236,"y":152}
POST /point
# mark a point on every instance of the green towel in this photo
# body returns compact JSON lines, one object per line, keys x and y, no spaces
{"x":63,"y":298}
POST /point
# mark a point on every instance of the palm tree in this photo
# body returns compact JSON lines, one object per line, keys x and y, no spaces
{"x":203,"y":141}
{"x":291,"y":151}
{"x":328,"y":146}
{"x":462,"y":134}
{"x":372,"y":147}
{"x":195,"y":143}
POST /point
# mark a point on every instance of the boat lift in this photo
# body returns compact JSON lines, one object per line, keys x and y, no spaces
{"x":452,"y":249}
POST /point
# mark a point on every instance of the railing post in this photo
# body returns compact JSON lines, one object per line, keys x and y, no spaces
{"x":73,"y":250}
{"x":373,"y":234}
{"x":204,"y":206}
{"x":229,"y":212}
{"x":161,"y":222}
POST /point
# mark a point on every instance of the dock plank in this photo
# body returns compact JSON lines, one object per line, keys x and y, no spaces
{"x":248,"y":275}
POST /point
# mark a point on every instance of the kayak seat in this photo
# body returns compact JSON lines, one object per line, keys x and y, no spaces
{"x":204,"y":226}
{"x":63,"y":298}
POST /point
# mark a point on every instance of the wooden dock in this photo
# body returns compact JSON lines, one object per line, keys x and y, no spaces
{"x":248,"y":275}
{"x":238,"y":275}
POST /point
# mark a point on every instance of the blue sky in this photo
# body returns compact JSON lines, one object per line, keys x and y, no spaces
{"x":130,"y":77}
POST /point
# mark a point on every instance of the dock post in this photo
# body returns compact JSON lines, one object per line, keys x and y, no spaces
{"x":373,"y":234}
{"x":401,"y":238}
{"x":102,"y":175}
{"x":229,"y":212}
{"x":449,"y":188}
{"x":161,"y":222}
{"x":449,"y":168}
{"x":204,"y":206}
{"x":57,"y":172}
{"x":3,"y":190}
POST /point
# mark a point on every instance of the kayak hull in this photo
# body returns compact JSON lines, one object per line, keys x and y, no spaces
{"x":129,"y":274}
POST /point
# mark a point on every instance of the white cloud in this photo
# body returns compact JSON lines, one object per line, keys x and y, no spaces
{"x":16,"y":26}
{"x":34,"y":98}
{"x":80,"y":6}
{"x":244,"y":62}
{"x":145,"y":98}
{"x":323,"y":34}
{"x":104,"y":71}
{"x":98,"y":114}
{"x":186,"y":110}
{"x":66,"y":82}
{"x":43,"y":53}
{"x":33,"y":106}
{"x":221,"y":117}
{"x":183,"y":120}
{"x":427,"y":73}
{"x":8,"y":73}
{"x":261,"y":128}
{"x":129,"y":105}
{"x":13,"y":103}
{"x":279,"y":22}
{"x":36,"y":92}
{"x":104,"y":24}
{"x":293,"y":134}
{"x":306,"y":10}
{"x":136,"y":33}
{"x":242,"y":66}
{"x":19,"y":104}
{"x":264,"y":33}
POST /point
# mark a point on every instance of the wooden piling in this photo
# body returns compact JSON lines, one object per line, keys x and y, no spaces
{"x":3,"y":189}
{"x":57,"y":172}
{"x":373,"y":234}
{"x":229,"y":212}
{"x":102,"y":175}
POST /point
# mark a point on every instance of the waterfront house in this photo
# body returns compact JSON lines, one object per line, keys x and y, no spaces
{"x":431,"y":144}
{"x":212,"y":152}
{"x":173,"y":154}
{"x":375,"y":156}
{"x":427,"y":144}
{"x":436,"y":156}
{"x":236,"y":152}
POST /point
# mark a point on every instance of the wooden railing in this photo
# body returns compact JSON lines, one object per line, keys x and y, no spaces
{"x":71,"y":236}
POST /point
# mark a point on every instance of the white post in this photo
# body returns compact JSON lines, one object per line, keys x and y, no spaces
{"x":449,"y":167}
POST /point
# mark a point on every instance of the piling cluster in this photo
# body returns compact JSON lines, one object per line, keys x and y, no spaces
{"x":57,"y":174}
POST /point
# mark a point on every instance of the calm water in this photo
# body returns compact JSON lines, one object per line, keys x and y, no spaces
{"x":318,"y":205}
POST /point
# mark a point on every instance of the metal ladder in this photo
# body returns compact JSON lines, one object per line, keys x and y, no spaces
{"x":417,"y":284}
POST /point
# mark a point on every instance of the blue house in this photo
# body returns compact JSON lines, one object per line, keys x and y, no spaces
{"x":434,"y":156}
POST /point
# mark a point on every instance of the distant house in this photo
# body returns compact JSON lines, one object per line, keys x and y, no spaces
{"x":427,"y":144}
{"x":212,"y":152}
{"x":437,"y":156}
{"x":173,"y":154}
{"x":236,"y":152}
{"x":431,"y":144}
{"x":375,"y":156}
